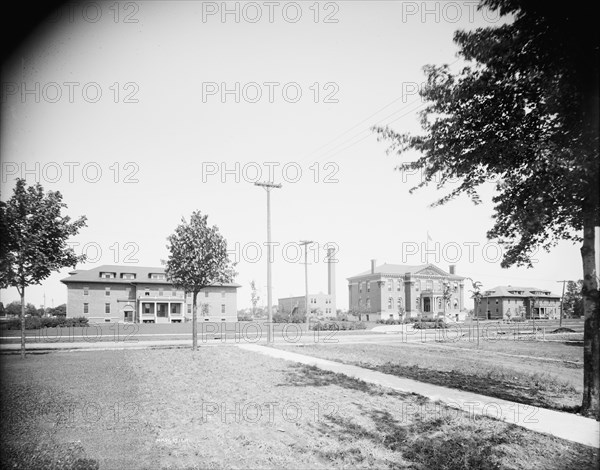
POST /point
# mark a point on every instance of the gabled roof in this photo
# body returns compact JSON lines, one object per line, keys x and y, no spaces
{"x":142,"y":275}
{"x":510,"y":291}
{"x":401,"y":269}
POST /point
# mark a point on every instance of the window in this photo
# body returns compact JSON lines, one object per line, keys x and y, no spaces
{"x":429,"y":284}
{"x":86,"y":290}
{"x":391,"y":285}
{"x":157,"y":276}
{"x":418,"y":284}
{"x":86,"y":308}
{"x":360,"y":287}
{"x":147,"y":308}
{"x":147,"y":292}
{"x":399,"y":285}
{"x":368,"y":302}
{"x":399,"y":302}
{"x":368,"y":286}
{"x":107,"y":320}
{"x":104,"y":275}
{"x":359,"y":301}
{"x":107,"y":291}
{"x":127,"y":276}
{"x":189,"y":308}
{"x":222,"y":308}
{"x":496,"y":301}
{"x":106,"y":308}
{"x":390,"y":303}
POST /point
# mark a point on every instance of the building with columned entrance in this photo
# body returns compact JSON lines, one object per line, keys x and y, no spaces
{"x":509,"y":302}
{"x":143,"y":295}
{"x":394,"y":291}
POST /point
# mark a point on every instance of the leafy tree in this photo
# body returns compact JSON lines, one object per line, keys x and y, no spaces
{"x":14,"y":308}
{"x":254,"y":297}
{"x":525,"y":112}
{"x":2,"y":310}
{"x":573,"y":300}
{"x":197,"y":259}
{"x":34,"y":240}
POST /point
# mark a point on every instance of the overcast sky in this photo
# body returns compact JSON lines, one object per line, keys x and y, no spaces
{"x":142,"y":112}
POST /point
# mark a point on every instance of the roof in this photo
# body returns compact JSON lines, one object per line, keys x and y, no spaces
{"x":508,"y":291}
{"x":142,"y":275}
{"x":401,"y":269}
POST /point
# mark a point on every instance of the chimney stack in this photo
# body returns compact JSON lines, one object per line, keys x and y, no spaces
{"x":452,"y":269}
{"x":331,"y":272}
{"x":373,"y":266}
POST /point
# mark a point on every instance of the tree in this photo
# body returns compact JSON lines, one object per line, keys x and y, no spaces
{"x":525,"y":112}
{"x":197,"y":259}
{"x":34,"y":237}
{"x":573,"y":300}
{"x":254,"y":297}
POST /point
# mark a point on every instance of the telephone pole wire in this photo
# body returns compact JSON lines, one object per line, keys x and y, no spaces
{"x":268,"y":187}
{"x":562,"y":298}
{"x":305,"y":244}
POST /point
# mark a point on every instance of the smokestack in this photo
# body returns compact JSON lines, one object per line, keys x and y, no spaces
{"x":452,"y":268}
{"x":331,"y":272}
{"x":373,"y":266}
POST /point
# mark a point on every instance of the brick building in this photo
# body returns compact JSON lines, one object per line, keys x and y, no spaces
{"x":321,"y":305}
{"x":142,"y":295}
{"x":392,"y":291}
{"x":505,"y":302}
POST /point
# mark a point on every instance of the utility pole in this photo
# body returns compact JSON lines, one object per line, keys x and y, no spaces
{"x":268,"y":187}
{"x":562,"y":298}
{"x":305,"y":244}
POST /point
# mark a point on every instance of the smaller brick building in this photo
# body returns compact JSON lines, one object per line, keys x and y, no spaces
{"x":506,"y":302}
{"x":321,"y":305}
{"x":142,"y":295}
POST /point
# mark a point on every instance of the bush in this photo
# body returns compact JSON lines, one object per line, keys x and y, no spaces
{"x":338,"y":325}
{"x":430,"y":323}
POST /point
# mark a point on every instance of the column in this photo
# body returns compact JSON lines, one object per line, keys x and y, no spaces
{"x":155,"y":312}
{"x":169,"y":311}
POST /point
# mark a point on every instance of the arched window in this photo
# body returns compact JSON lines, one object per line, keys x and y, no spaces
{"x":390,"y":303}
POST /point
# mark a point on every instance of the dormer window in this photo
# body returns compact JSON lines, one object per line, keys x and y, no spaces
{"x":157,"y":276}
{"x":127,"y":276}
{"x":105,"y":275}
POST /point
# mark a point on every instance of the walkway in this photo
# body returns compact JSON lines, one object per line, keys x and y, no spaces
{"x":566,"y":426}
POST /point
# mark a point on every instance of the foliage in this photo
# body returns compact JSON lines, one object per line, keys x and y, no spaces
{"x":338,"y":325}
{"x":524,"y":112}
{"x":198,"y":258}
{"x":34,"y":323}
{"x":34,"y":236}
{"x":573,"y":300}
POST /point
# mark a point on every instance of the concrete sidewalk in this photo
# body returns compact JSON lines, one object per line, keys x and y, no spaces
{"x":566,"y":426}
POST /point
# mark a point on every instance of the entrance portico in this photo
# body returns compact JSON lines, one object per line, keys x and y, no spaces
{"x":160,"y":311}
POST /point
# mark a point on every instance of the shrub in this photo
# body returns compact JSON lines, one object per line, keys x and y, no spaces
{"x":338,"y":325}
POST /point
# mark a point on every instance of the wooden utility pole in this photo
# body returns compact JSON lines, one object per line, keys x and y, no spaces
{"x":305,"y":244}
{"x":268,"y":187}
{"x":562,"y":299}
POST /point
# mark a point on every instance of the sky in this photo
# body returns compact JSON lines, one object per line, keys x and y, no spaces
{"x":140,"y":113}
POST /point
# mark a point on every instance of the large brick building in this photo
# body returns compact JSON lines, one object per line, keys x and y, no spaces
{"x":506,"y":302}
{"x":392,"y":291}
{"x":142,"y":295}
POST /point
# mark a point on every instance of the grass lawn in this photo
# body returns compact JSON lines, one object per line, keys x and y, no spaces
{"x":545,"y":374}
{"x":223,"y":407}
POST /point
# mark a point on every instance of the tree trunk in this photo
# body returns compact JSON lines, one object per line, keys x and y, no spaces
{"x":23,"y":323}
{"x":194,"y":323}
{"x":591,"y":336}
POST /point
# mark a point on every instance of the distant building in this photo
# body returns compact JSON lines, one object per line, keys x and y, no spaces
{"x":506,"y":302}
{"x":394,"y":291}
{"x":142,"y":295}
{"x":321,"y":305}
